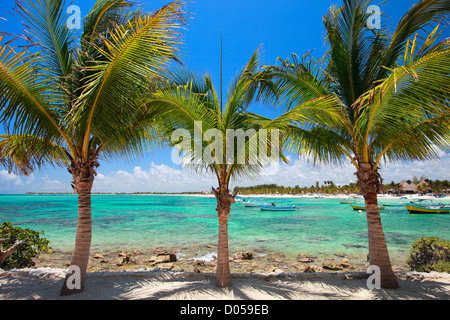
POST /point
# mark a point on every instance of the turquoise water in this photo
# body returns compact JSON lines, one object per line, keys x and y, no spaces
{"x":141,"y":222}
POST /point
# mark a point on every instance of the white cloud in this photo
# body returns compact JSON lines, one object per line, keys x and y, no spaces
{"x":435,"y":170}
{"x":12,"y":183}
{"x":45,"y":184}
{"x":158,"y":178}
{"x":9,"y":181}
{"x":302,"y":172}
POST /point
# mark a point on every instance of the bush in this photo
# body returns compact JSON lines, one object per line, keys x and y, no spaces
{"x":430,"y":254}
{"x":33,"y":245}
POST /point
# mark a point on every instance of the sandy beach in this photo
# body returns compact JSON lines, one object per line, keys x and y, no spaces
{"x":45,"y":283}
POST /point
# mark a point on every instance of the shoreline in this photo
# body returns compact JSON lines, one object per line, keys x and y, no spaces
{"x":203,"y":259}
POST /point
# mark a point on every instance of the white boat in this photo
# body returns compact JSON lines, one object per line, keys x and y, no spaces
{"x":255,"y":204}
{"x":274,"y":207}
{"x":401,"y":204}
{"x":239,"y":200}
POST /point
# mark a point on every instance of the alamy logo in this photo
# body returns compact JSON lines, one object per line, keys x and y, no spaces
{"x":73,"y":278}
{"x":374,"y":20}
{"x":74,"y":19}
{"x":374,"y":280}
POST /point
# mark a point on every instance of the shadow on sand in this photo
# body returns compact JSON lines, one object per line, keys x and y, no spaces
{"x":185,"y":286}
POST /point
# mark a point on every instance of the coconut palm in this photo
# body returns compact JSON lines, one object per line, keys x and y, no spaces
{"x":203,"y":133}
{"x":372,"y":97}
{"x":71,"y":103}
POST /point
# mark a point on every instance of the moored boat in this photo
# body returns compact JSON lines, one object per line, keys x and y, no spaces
{"x":414,"y":208}
{"x":256,"y":204}
{"x":363,"y":208}
{"x":275,"y":208}
{"x":393,"y":204}
{"x":347,"y":201}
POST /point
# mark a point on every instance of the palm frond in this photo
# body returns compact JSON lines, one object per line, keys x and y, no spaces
{"x":22,"y":153}
{"x":134,"y":54}
{"x":408,"y":102}
{"x":207,"y":139}
{"x":243,"y":88}
{"x":352,"y":46}
{"x":318,"y":128}
{"x":45,"y":23}
{"x":105,"y":15}
{"x":142,"y":130}
{"x":418,"y":17}
{"x":26,"y":105}
{"x":295,"y":81}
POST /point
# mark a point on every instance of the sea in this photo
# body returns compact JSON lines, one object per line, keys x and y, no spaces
{"x":320,"y":226}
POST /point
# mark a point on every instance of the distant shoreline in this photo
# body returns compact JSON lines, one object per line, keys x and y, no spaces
{"x":199,"y":194}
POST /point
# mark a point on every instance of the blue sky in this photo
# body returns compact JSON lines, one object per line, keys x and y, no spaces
{"x":281,"y":28}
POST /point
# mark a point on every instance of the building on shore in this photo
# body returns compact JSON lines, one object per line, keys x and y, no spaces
{"x":409,"y":187}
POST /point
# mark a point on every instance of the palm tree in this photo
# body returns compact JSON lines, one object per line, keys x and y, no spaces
{"x":72,"y":103}
{"x":202,"y":134}
{"x":372,"y":97}
{"x":422,"y":188}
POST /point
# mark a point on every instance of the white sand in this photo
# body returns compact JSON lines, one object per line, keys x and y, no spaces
{"x":45,"y":284}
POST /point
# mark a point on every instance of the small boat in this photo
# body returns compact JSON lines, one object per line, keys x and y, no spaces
{"x":400,"y":204}
{"x":393,"y":204}
{"x":419,"y":208}
{"x":274,"y":207}
{"x":347,"y":201}
{"x":255,"y":204}
{"x":239,"y":199}
{"x":363,"y":208}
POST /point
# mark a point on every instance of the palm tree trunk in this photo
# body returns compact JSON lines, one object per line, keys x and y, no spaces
{"x":10,"y":251}
{"x":82,"y":241}
{"x":83,"y":173}
{"x":369,"y":182}
{"x":223,"y":274}
{"x":224,"y":201}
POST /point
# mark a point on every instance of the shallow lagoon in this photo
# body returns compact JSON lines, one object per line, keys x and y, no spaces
{"x":140,"y":222}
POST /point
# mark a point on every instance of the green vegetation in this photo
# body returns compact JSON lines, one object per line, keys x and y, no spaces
{"x":32,"y":246}
{"x":438,"y":186}
{"x":328,"y":187}
{"x":430,"y":254}
{"x":431,"y":186}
